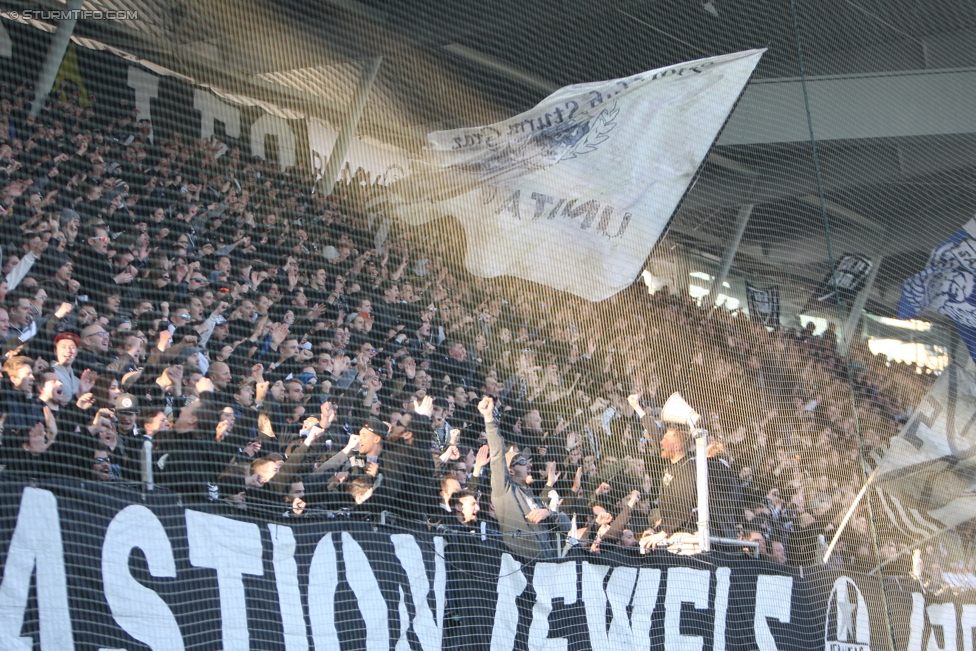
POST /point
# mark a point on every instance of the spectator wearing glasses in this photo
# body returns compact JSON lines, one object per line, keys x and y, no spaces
{"x":520,"y":469}
{"x":180,"y":316}
{"x":94,"y":349}
{"x":102,"y":467}
{"x":460,"y":472}
{"x":196,"y":281}
{"x":521,"y":515}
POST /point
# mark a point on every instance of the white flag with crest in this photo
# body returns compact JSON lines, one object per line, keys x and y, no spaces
{"x":575,"y":192}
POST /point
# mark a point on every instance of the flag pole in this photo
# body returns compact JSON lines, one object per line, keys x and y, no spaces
{"x":847,"y":516}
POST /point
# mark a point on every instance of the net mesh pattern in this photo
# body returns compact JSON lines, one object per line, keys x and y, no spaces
{"x":403,"y":307}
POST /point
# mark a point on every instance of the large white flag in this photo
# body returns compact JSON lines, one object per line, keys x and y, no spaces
{"x":926,"y":481}
{"x":575,"y":192}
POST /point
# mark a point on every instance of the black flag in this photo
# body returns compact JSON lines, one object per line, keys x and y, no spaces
{"x":764,"y":305}
{"x":846,"y":280}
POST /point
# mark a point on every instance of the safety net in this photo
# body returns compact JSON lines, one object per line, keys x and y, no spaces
{"x":366,"y":324}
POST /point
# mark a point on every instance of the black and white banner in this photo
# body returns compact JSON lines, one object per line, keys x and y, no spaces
{"x":843,"y":283}
{"x":763,"y":304}
{"x":923,"y":622}
{"x":172,"y":103}
{"x":383,"y":164}
{"x":847,"y":611}
{"x":114,"y":570}
{"x":104,"y":567}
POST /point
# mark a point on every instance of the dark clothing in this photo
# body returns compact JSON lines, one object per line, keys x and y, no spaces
{"x":725,"y":503}
{"x":23,"y":463}
{"x":271,"y":497}
{"x":386,"y":316}
{"x":288,"y":369}
{"x":158,"y":398}
{"x":246,"y":421}
{"x":512,"y":502}
{"x":190,"y":466}
{"x":220,"y":398}
{"x":655,"y":464}
{"x":408,"y":472}
{"x":467,"y":418}
{"x":58,"y":293}
{"x":23,"y":410}
{"x":355,"y":465}
{"x":240,"y":329}
{"x":127,"y":458}
{"x":124,"y":364}
{"x":319,"y":497}
{"x":88,"y":359}
{"x":316,"y":296}
{"x":678,"y":497}
{"x":75,"y":445}
{"x":94,"y":271}
{"x":460,"y":372}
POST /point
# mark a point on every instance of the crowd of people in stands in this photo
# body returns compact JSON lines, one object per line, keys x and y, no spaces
{"x":293,"y":355}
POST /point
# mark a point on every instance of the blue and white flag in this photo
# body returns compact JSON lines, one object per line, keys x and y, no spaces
{"x":947,"y":285}
{"x":575,"y":192}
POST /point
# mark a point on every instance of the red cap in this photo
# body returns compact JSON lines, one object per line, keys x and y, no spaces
{"x":70,"y":336}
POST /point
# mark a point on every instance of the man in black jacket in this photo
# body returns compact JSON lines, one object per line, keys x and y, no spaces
{"x":679,"y":492}
{"x":93,"y":353}
{"x":17,"y":391}
{"x":92,"y":267}
{"x":408,"y":469}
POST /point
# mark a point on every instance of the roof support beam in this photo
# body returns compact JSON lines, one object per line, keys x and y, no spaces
{"x":55,"y":54}
{"x":332,"y":169}
{"x":849,"y":107}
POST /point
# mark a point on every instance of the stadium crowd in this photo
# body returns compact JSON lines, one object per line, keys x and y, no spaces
{"x":294,"y":355}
